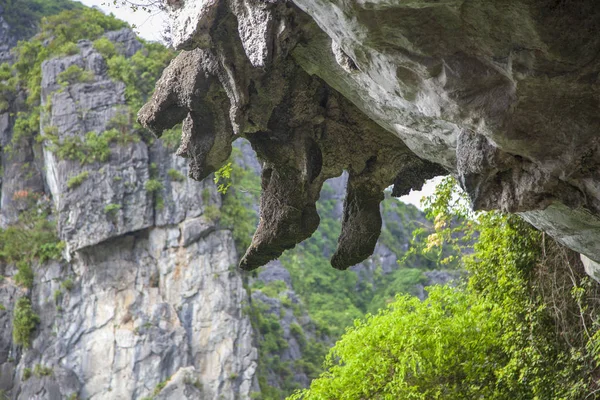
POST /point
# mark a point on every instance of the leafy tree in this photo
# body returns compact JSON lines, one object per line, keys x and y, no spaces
{"x":524,"y":325}
{"x":23,"y":16}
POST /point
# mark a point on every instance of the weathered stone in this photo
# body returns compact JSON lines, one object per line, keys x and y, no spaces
{"x":304,"y":133}
{"x":195,"y":229}
{"x":126,"y":42}
{"x":504,"y":96}
{"x":150,"y":293}
{"x":592,"y":268}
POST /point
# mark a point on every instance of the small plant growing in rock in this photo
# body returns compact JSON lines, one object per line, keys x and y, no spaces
{"x":153,"y":186}
{"x":68,"y":284}
{"x":77,"y":180}
{"x":195,"y":382}
{"x":57,"y":294}
{"x":175,"y":175}
{"x":159,"y":387}
{"x":24,"y":322}
{"x":68,"y":49}
{"x":41,"y":370}
{"x":172,"y":137}
{"x":26,"y":374}
{"x":112,"y":209}
{"x":74,"y":74}
{"x":24,"y":275}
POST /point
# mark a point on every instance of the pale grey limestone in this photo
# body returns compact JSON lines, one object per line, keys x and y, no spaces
{"x":503,"y":96}
{"x":155,"y":296}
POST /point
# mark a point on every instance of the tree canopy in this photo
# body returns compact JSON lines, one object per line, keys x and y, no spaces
{"x":523,"y":326}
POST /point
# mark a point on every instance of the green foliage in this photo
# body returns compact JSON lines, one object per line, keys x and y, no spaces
{"x":41,"y":370}
{"x":453,"y":231}
{"x":402,"y":280}
{"x":26,"y":374}
{"x":438,"y":348}
{"x":68,"y":284}
{"x":159,"y":387}
{"x":239,"y":202}
{"x":270,"y":344}
{"x":58,"y":36}
{"x":153,"y":186}
{"x":25,"y":128}
{"x":32,"y":238}
{"x":23,"y":16}
{"x":24,"y":275}
{"x":91,"y":148}
{"x":172,"y":137}
{"x":77,"y":180}
{"x":112,"y":209}
{"x":24,"y":322}
{"x":105,"y":47}
{"x":70,"y":49}
{"x":524,"y":326}
{"x":140,"y":72}
{"x":8,"y":85}
{"x":212,"y":212}
{"x":271,"y":289}
{"x":175,"y":175}
{"x":75,"y":74}
{"x":57,"y":296}
{"x":223,"y":178}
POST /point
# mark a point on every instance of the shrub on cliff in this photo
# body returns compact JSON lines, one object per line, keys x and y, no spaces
{"x":24,"y":322}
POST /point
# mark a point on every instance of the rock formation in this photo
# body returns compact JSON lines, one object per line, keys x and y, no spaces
{"x":128,"y":267}
{"x":504,"y":95}
{"x":148,"y":294}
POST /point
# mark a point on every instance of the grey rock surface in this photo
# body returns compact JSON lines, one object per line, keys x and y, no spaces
{"x":7,"y":39}
{"x":148,"y":301}
{"x":505,"y":97}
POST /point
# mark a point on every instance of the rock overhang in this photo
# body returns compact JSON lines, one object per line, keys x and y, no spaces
{"x":503,"y":95}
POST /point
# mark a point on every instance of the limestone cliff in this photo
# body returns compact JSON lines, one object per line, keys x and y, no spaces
{"x":146,"y":301}
{"x":504,"y":95}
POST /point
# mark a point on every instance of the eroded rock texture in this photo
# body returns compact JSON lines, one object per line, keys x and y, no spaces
{"x":503,"y":94}
{"x":150,"y":292}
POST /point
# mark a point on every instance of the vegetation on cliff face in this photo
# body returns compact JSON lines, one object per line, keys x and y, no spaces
{"x":524,"y":326}
{"x":58,"y":36}
{"x":32,"y":239}
{"x":23,"y":15}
